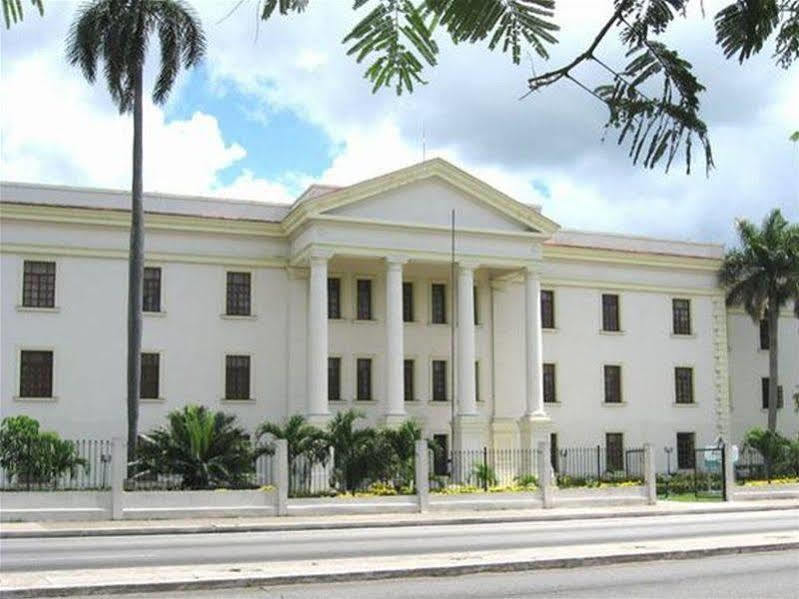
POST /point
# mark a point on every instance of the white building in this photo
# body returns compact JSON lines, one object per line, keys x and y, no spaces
{"x":343,"y":299}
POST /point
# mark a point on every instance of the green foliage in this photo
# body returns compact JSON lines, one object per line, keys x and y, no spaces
{"x":12,"y":10}
{"x":484,"y":476}
{"x":205,"y":448}
{"x":742,"y":28}
{"x":30,"y":456}
{"x":776,"y":450}
{"x":526,"y":480}
{"x":302,"y":438}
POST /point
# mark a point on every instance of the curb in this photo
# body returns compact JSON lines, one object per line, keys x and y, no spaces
{"x":289,"y":527}
{"x":517,"y":566}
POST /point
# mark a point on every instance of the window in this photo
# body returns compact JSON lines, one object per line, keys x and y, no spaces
{"x":477,"y":381}
{"x":334,"y":298}
{"x":686,"y":450}
{"x":36,"y":374}
{"x":614,"y":452}
{"x":407,"y":302}
{"x":439,"y":380}
{"x":38,"y":284}
{"x":333,"y":379}
{"x":553,"y":451}
{"x":476,"y":305}
{"x":549,"y":384}
{"x":684,"y":384}
{"x":681,"y":316}
{"x":610,"y":312}
{"x":612,"y":384}
{"x":238,"y":294}
{"x":547,"y":309}
{"x":439,"y":303}
{"x":765,"y":341}
{"x":149,"y":376}
{"x":151,"y":289}
{"x":440,"y":455}
{"x":764,"y":394}
{"x":407,"y":374}
{"x":364,"y":371}
{"x":364,"y":299}
{"x":237,"y":377}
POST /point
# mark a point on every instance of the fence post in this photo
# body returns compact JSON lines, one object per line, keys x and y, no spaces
{"x":728,"y":472}
{"x":598,"y":463}
{"x":282,"y":476}
{"x":650,"y":474}
{"x":544,"y":473}
{"x":422,"y":475}
{"x":119,"y":468}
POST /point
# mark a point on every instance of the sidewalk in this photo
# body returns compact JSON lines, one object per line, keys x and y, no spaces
{"x":208,"y":525}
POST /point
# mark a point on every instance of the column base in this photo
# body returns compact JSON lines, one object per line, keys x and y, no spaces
{"x":504,"y":433}
{"x":470,"y":433}
{"x":534,"y":428}
{"x":318,"y":420}
{"x":394,"y":420}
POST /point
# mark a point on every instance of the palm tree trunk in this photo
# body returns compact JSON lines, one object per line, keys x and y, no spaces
{"x":773,"y":363}
{"x":135,"y":271}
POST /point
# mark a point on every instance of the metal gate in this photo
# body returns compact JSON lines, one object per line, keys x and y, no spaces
{"x":708,"y":470}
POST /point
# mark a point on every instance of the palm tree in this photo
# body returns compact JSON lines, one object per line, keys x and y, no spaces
{"x":302,"y":438}
{"x":117,"y":32}
{"x":763,"y":276}
{"x":352,"y":448}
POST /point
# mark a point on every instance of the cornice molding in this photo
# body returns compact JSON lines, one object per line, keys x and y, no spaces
{"x":632,"y":258}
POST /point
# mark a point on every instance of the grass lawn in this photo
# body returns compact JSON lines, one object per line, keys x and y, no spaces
{"x":688,"y":497}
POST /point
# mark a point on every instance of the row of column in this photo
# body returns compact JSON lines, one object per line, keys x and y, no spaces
{"x":395,"y":353}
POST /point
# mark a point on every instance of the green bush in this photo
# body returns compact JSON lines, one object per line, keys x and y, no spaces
{"x":484,"y":476}
{"x":780,"y":454}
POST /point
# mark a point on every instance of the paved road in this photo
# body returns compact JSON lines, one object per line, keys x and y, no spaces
{"x":196,"y":549}
{"x":762,"y":575}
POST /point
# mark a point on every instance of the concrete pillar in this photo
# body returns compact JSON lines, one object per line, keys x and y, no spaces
{"x":422,"y":475}
{"x":729,"y":471}
{"x":545,"y":474}
{"x":119,"y":471}
{"x":650,"y":474}
{"x":317,"y":339}
{"x":467,"y":397}
{"x":395,"y":353}
{"x":281,"y":465}
{"x":534,"y":384}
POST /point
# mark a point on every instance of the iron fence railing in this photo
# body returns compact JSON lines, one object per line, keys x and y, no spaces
{"x":308,"y":478}
{"x":494,"y":467}
{"x":33,"y":476}
{"x":596,"y":463}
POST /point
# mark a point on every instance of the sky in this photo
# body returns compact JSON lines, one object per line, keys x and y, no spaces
{"x":277,"y":106}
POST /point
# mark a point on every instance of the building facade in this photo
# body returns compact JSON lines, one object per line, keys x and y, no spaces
{"x":350,"y":297}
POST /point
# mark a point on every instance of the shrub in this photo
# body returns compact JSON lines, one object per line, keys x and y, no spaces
{"x":776,"y":450}
{"x":484,"y":475}
{"x":526,"y":480}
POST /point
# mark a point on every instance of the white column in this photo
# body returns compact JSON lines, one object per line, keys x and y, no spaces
{"x":467,"y":398}
{"x":317,"y":338}
{"x":395,"y":353}
{"x":533,"y":344}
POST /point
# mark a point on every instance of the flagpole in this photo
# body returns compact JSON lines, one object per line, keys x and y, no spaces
{"x":452,"y":331}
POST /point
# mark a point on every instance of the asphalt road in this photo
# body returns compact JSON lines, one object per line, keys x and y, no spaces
{"x":748,"y":576}
{"x":196,"y":549}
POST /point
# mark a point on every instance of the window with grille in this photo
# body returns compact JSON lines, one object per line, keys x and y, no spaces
{"x":764,"y":383}
{"x":439,"y":380}
{"x":364,"y":299}
{"x":614,"y":451}
{"x":36,"y":374}
{"x":38,"y":284}
{"x":477,"y":381}
{"x":612,"y":384}
{"x":237,"y":377}
{"x":408,"y":388}
{"x":686,"y":450}
{"x":364,"y":376}
{"x":407,"y":302}
{"x":334,"y":298}
{"x":151,"y":289}
{"x":441,"y":455}
{"x":765,"y":341}
{"x":684,"y":384}
{"x":681,"y":316}
{"x":150,"y":366}
{"x":333,"y":379}
{"x":238,"y":294}
{"x":610,"y":312}
{"x":549,"y":384}
{"x":476,"y":305}
{"x":439,"y":303}
{"x":547,"y":309}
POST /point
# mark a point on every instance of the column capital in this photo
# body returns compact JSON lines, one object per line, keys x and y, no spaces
{"x":395,"y":261}
{"x":318,"y":255}
{"x":468,"y":265}
{"x":533,"y":269}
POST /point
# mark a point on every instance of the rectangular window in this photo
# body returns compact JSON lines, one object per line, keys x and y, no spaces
{"x":36,"y":374}
{"x":612,"y":384}
{"x":38,"y":284}
{"x":684,"y":384}
{"x":407,"y":373}
{"x":334,"y":298}
{"x":439,"y":303}
{"x":364,"y":299}
{"x":764,"y":338}
{"x":439,"y":380}
{"x":681,"y":316}
{"x":476,"y":305}
{"x":151,"y":289}
{"x":333,"y":379}
{"x":610,"y":312}
{"x":407,"y":302}
{"x":238,"y":294}
{"x":547,"y":309}
{"x":764,"y":394}
{"x":477,"y":381}
{"x":440,"y":455}
{"x":686,"y":450}
{"x":237,"y":377}
{"x":150,"y":365}
{"x":549,"y":384}
{"x":614,"y":452}
{"x":364,"y":371}
{"x":553,"y":451}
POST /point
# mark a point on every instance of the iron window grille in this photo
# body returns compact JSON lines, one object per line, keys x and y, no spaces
{"x":237,"y":377}
{"x":686,"y":451}
{"x":684,"y":384}
{"x":765,"y":341}
{"x":764,"y":384}
{"x":407,"y":302}
{"x":550,"y":395}
{"x":150,"y":366}
{"x":38,"y":284}
{"x":364,"y":299}
{"x":333,"y":379}
{"x":439,"y":380}
{"x":36,"y":374}
{"x":408,"y":389}
{"x":364,"y":376}
{"x":334,"y":298}
{"x":476,"y":305}
{"x":439,"y":303}
{"x":614,"y":451}
{"x":547,"y":309}
{"x":612,"y":384}
{"x":151,"y":289}
{"x":238,"y":294}
{"x":681,"y":316}
{"x":610,"y":312}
